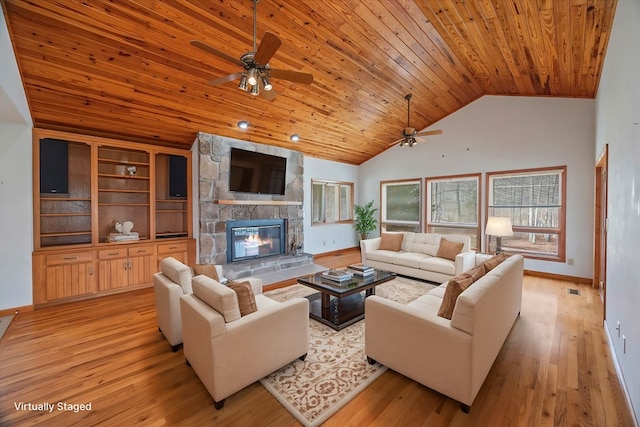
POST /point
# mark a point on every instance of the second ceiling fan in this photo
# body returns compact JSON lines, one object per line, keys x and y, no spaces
{"x":257,"y":73}
{"x":410,"y":134}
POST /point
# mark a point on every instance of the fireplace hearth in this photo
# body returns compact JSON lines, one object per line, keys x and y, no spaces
{"x":249,"y":239}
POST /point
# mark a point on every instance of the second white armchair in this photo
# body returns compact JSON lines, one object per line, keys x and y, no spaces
{"x":229,"y":351}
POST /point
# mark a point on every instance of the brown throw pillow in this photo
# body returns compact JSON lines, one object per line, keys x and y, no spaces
{"x":476,"y":272}
{"x":449,"y":249}
{"x":208,"y":270}
{"x":391,"y":241}
{"x":456,"y":286}
{"x":246,"y":298}
{"x":494,"y":261}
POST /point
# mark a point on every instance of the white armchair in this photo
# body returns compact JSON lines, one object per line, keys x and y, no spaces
{"x":228,"y":351}
{"x":173,"y":281}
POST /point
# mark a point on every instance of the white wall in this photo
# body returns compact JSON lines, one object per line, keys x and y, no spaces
{"x":16,"y":213}
{"x":618,"y":124}
{"x":13,"y":103}
{"x":498,"y":133}
{"x":326,"y":238}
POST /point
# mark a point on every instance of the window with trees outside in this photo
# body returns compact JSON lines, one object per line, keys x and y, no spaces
{"x":535,"y":201}
{"x":331,"y":201}
{"x":400,"y":205}
{"x":453,"y":206}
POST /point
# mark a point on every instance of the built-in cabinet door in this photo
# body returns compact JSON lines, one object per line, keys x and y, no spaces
{"x":70,"y":280}
{"x":67,"y":274}
{"x":113,"y":269}
{"x":122,"y":267}
{"x":142,"y":265}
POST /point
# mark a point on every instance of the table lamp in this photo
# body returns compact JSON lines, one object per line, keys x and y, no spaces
{"x":499,"y":227}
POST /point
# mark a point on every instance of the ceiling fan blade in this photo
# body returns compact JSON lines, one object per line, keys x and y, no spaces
{"x":292,"y":76}
{"x":268,"y":46}
{"x":429,"y":132}
{"x":397,"y":142}
{"x":225,"y":79}
{"x":216,"y":52}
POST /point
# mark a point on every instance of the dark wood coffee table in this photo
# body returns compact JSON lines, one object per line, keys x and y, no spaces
{"x":339,"y":305}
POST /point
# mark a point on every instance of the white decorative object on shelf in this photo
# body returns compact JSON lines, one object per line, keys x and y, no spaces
{"x":124,"y":227}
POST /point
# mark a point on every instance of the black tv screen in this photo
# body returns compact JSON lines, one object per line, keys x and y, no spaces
{"x":252,"y":172}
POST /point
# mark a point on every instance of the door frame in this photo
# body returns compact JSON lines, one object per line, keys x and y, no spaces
{"x":601,"y":226}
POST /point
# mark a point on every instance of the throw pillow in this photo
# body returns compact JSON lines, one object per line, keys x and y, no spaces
{"x":246,"y":298}
{"x":494,"y":261}
{"x":477,"y":272}
{"x":456,"y":286}
{"x":449,"y":249}
{"x":208,"y":270}
{"x":391,"y":241}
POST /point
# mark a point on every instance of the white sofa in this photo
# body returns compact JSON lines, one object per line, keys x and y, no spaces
{"x":453,"y":356}
{"x":417,"y":256}
{"x":229,"y":351}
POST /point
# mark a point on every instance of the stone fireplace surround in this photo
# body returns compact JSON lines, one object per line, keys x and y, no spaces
{"x":217,"y":205}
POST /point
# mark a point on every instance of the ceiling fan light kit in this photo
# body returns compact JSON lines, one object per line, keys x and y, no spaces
{"x":410,"y":134}
{"x":257,"y":71}
{"x":266,"y":83}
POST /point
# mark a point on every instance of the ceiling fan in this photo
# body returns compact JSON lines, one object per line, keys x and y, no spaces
{"x":409,"y":134}
{"x":257,"y":72}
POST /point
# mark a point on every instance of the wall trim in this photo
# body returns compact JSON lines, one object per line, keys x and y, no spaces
{"x":16,"y":310}
{"x":585,"y":280}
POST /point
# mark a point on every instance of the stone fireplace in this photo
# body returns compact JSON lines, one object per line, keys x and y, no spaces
{"x":218,"y":206}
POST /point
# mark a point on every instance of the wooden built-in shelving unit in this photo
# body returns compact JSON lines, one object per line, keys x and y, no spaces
{"x":107,"y":181}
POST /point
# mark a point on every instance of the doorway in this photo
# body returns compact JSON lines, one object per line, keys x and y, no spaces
{"x":600,"y":243}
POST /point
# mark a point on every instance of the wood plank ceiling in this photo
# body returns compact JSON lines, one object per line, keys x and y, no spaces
{"x":126,"y":69}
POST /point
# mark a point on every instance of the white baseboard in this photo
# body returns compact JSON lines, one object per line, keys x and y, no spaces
{"x":614,"y":358}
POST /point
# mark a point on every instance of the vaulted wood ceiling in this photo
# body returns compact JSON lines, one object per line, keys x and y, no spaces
{"x":126,"y":69}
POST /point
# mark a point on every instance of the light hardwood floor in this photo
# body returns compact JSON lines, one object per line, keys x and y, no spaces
{"x":554,"y":370}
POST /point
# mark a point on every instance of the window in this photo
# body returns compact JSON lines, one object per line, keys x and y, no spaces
{"x":453,"y":206}
{"x":535,"y":201}
{"x":400,"y":205}
{"x":331,"y":201}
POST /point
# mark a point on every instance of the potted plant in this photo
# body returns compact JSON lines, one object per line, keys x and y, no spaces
{"x":365,"y":220}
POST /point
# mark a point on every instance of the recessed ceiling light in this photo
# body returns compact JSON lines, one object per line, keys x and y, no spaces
{"x":295,"y":137}
{"x":243,"y":124}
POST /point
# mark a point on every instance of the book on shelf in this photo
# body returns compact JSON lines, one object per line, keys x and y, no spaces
{"x":337,"y":275}
{"x":119,"y":237}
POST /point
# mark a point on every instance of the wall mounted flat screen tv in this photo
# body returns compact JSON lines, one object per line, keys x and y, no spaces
{"x":252,"y":172}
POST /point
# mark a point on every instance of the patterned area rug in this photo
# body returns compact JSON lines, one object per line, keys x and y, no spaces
{"x":336,"y":367}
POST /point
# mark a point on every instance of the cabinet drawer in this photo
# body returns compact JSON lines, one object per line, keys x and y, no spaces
{"x":172,"y":247}
{"x":141,"y":250}
{"x":112,"y":253}
{"x":69,"y":258}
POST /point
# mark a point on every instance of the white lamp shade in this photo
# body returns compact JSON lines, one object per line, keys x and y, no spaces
{"x":498,"y":226}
